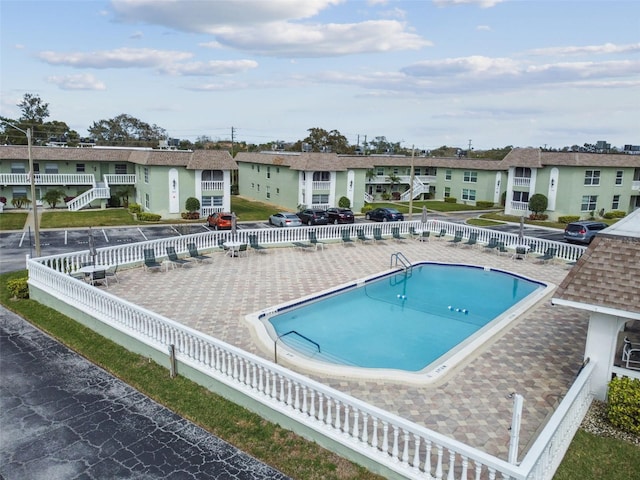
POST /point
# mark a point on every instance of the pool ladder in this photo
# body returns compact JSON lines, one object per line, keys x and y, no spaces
{"x":398,"y":259}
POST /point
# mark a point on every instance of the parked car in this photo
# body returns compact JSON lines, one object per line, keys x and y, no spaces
{"x":284,"y":219}
{"x":219,"y":221}
{"x":313,"y":217}
{"x":583,"y":232}
{"x":340,"y":215}
{"x":384,"y":215}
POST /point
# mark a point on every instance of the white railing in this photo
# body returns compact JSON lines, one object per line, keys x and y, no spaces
{"x":321,"y":186}
{"x":47,"y":179}
{"x":210,"y":185}
{"x":521,"y":181}
{"x":120,"y":178}
{"x":368,"y":197}
{"x":521,"y":206}
{"x":206,"y":211}
{"x":409,"y":449}
{"x":635,"y":185}
{"x":320,"y":206}
{"x":418,"y":189}
{"x":87,"y":197}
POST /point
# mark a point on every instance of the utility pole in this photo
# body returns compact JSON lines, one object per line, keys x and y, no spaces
{"x":411,"y":179}
{"x":233,"y":131}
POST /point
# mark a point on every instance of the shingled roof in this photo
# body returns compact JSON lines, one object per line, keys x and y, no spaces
{"x":536,"y":158}
{"x":606,"y":278}
{"x":191,"y":160}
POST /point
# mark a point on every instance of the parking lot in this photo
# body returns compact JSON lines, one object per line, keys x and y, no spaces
{"x":14,"y":246}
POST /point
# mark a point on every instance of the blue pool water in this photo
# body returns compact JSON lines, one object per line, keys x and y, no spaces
{"x":403,"y":321}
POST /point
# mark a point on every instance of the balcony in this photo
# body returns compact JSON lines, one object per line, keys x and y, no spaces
{"x":47,"y":179}
{"x":325,"y":186}
{"x":212,"y":185}
{"x":521,"y":181}
{"x":120,"y":179}
{"x":521,"y":206}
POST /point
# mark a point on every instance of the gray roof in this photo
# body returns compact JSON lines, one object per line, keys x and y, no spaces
{"x":191,"y":160}
{"x":607,"y":276}
{"x":536,"y":158}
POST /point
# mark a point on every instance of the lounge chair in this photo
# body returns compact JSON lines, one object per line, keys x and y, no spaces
{"x":377,"y":234}
{"x":424,"y":236}
{"x":443,"y":233}
{"x":313,"y":239}
{"x":493,"y":243}
{"x":99,"y":276}
{"x":520,"y":253}
{"x":395,"y":233}
{"x":112,"y":272}
{"x":473,"y":239}
{"x":193,"y":253}
{"x":253,"y":243}
{"x":631,"y":354}
{"x":346,"y":236}
{"x":173,"y":258}
{"x":150,"y":261}
{"x":549,"y":254}
{"x":532,"y":247}
{"x":413,"y":232}
{"x":362,"y":237}
{"x":500,"y":248}
{"x":302,"y":245}
{"x":457,"y":238}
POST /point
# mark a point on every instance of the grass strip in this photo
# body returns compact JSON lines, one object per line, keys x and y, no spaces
{"x":268,"y":442}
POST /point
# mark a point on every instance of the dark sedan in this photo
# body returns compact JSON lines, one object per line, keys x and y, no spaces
{"x":384,"y":215}
{"x":313,"y":217}
{"x":340,"y":215}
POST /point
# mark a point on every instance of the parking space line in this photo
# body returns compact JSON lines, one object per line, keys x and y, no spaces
{"x":142,"y":233}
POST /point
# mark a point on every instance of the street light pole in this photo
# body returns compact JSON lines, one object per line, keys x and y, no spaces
{"x":32,"y":179}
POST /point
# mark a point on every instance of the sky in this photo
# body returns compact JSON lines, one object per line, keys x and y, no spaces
{"x":424,"y":73}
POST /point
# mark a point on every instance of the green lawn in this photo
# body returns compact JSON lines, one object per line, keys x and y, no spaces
{"x":12,"y":220}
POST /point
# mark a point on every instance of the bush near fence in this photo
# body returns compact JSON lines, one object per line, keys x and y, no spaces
{"x":624,"y":404}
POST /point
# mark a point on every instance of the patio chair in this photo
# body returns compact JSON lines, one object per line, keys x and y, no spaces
{"x":193,"y":253}
{"x":243,"y":250}
{"x":520,"y":253}
{"x":150,"y":261}
{"x":346,"y":236}
{"x":302,"y":245}
{"x":457,"y":238}
{"x":413,"y":232}
{"x":631,"y":354}
{"x":99,"y":276}
{"x":253,"y":243}
{"x":532,"y":247}
{"x":443,"y":233}
{"x":424,"y":236}
{"x":221,"y":245}
{"x":493,"y":243}
{"x":362,"y":237}
{"x":377,"y":234}
{"x":313,"y":239}
{"x":112,"y":272}
{"x":549,"y":254}
{"x":395,"y":233}
{"x":173,"y":258}
{"x":500,"y":248}
{"x":473,"y":239}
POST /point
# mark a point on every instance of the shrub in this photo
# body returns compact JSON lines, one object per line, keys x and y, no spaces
{"x":568,"y":218}
{"x":344,"y":202}
{"x":53,"y":197}
{"x":114,"y":201}
{"x":192,"y":204}
{"x":450,"y":200}
{"x":20,"y":202}
{"x":366,"y":208}
{"x":538,"y":203}
{"x":615,"y":214}
{"x":3,"y":200}
{"x":190,"y":215}
{"x":149,"y":217}
{"x":623,"y":408}
{"x":484,"y":204}
{"x":135,"y":208}
{"x":385,"y":196}
{"x":18,"y":287}
{"x":538,"y":216}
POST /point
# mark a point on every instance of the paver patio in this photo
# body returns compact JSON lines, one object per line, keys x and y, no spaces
{"x":537,"y":356}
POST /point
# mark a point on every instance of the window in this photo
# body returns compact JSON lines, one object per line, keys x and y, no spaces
{"x":258,"y":169}
{"x":417,"y":172}
{"x":268,"y":188}
{"x":277,"y":191}
{"x":268,"y":176}
{"x":51,"y":168}
{"x":19,"y":192}
{"x":380,"y":171}
{"x":447,"y":192}
{"x":253,"y":185}
{"x":322,"y":198}
{"x":36,"y":167}
{"x":470,"y":177}
{"x":615,"y":205}
{"x":592,"y":177}
{"x":18,"y":168}
{"x":121,"y":168}
{"x":321,"y":176}
{"x":258,"y":187}
{"x":211,"y":201}
{"x":147,"y":201}
{"x":588,"y":203}
{"x":521,"y":197}
{"x":395,"y":171}
{"x":212,"y":176}
{"x":379,"y":189}
{"x":619,"y":175}
{"x":468,"y":194}
{"x":523,"y":172}
{"x":146,"y":174}
{"x":447,"y":174}
{"x":79,"y":167}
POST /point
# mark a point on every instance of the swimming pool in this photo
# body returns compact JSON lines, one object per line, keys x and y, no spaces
{"x":404,"y":323}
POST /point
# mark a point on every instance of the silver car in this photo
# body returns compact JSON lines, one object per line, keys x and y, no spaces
{"x":285,"y":219}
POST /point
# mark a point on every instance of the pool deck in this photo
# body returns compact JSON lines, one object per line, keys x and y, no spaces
{"x":537,"y":356}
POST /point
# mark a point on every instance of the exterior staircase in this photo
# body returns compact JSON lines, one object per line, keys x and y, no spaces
{"x":99,"y":191}
{"x":418,"y":188}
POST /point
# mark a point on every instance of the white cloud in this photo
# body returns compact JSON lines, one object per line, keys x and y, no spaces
{"x":481,"y":3}
{"x":118,"y":58}
{"x":77,"y":82}
{"x":607,"y":48}
{"x":136,"y":35}
{"x":211,"y":68}
{"x":483,"y":28}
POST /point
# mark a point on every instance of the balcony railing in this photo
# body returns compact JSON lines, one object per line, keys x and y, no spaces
{"x":206,"y":211}
{"x":521,"y":181}
{"x":635,"y":185}
{"x":212,"y":185}
{"x":522,"y":206}
{"x":47,"y":179}
{"x":321,"y":186}
{"x":120,"y":178}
